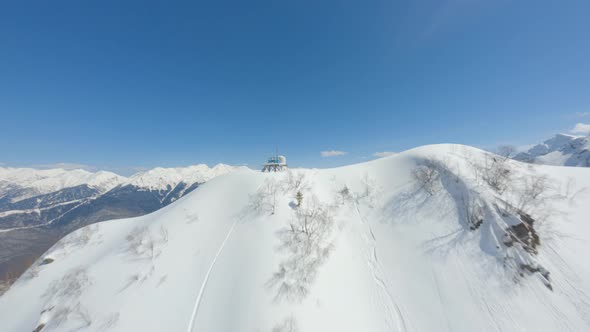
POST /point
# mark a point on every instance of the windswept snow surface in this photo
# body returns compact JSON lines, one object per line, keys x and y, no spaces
{"x":386,"y":256}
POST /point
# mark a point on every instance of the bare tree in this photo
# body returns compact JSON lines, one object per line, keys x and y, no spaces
{"x":63,"y":299}
{"x":533,"y":192}
{"x":142,"y":243}
{"x":295,"y":181}
{"x":506,"y":151}
{"x":265,"y":198}
{"x":344,"y":195}
{"x":368,"y":190}
{"x":368,"y":186}
{"x":307,"y":243}
{"x":427,"y":176}
{"x":474,"y":210}
{"x":494,"y":171}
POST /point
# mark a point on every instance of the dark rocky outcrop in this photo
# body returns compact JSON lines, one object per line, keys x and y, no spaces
{"x":523,"y":233}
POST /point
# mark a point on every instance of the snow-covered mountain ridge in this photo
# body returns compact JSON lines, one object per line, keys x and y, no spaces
{"x":161,"y":178}
{"x":32,"y":182}
{"x":409,"y":242}
{"x":560,"y":150}
{"x":39,"y":182}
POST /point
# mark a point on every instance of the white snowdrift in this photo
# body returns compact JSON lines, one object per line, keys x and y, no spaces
{"x":384,"y":255}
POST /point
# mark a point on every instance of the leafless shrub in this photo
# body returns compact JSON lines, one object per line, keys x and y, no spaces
{"x":427,"y":176}
{"x":570,"y":193}
{"x":32,"y":272}
{"x":368,"y":187}
{"x":344,"y":195}
{"x":86,"y":234}
{"x":531,"y":194}
{"x":79,"y":238}
{"x":474,"y":211}
{"x":62,"y":314}
{"x":494,"y":171}
{"x":63,"y":299}
{"x":506,"y":151}
{"x":264,"y":200}
{"x":136,"y":239}
{"x":287,"y":325}
{"x":295,"y":181}
{"x":69,"y":286}
{"x":142,"y":243}
{"x":534,"y":191}
{"x":306,"y":241}
{"x":368,"y":190}
{"x":140,"y":277}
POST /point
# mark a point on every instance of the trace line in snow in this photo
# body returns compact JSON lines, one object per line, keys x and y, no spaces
{"x":375,"y":270}
{"x":204,"y":284}
{"x":440,"y":299}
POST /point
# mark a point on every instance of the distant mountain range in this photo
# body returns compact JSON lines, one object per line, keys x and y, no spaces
{"x":560,"y":150}
{"x":38,"y":207}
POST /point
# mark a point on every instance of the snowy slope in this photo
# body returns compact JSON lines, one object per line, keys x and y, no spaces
{"x":387,"y":254}
{"x":34,"y":182}
{"x":31,"y":219}
{"x":560,"y":150}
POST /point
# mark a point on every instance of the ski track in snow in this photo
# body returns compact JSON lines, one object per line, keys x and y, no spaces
{"x":373,"y":263}
{"x":440,"y":298}
{"x":204,"y":284}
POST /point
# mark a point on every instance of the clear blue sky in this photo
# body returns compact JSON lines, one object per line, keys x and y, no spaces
{"x":120,"y":84}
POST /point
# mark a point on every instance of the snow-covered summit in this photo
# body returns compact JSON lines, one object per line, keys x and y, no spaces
{"x":560,"y":150}
{"x":160,"y":178}
{"x":404,"y":243}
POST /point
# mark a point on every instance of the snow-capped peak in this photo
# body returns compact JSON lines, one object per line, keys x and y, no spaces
{"x":161,"y":178}
{"x":560,"y":150}
{"x":43,"y":181}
